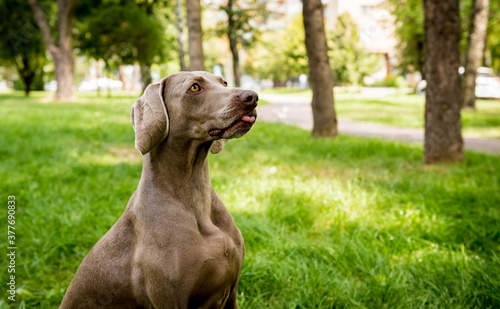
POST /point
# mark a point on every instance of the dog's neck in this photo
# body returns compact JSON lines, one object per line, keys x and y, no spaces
{"x":180,"y":169}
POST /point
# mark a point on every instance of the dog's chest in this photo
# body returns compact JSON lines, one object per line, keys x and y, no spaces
{"x":217,"y":269}
{"x":222,"y":255}
{"x":200,"y":258}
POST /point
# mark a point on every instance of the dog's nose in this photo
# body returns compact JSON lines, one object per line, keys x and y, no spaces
{"x":248,"y":97}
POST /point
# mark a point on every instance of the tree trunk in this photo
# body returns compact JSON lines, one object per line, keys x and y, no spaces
{"x":98,"y":75}
{"x":421,"y":61}
{"x":180,"y":34}
{"x":27,"y":87}
{"x":65,"y":68}
{"x":236,"y":64}
{"x":195,"y":35}
{"x":388,"y":66}
{"x":443,"y":128}
{"x":145,"y":76}
{"x":62,"y":53}
{"x":135,"y":77}
{"x":26,"y":72}
{"x":63,"y":65}
{"x":122,"y":77}
{"x":231,"y":33}
{"x":475,"y":50}
{"x":320,"y":73}
{"x":28,"y":78}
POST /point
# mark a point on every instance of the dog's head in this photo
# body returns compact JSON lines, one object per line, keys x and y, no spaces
{"x":194,"y":106}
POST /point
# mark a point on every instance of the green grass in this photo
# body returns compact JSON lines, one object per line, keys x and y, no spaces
{"x":344,"y":223}
{"x":406,"y":111}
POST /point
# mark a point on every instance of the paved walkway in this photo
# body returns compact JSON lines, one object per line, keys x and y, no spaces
{"x":296,"y":110}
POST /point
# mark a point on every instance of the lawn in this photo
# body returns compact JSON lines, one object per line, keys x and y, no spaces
{"x":406,"y":111}
{"x":345,"y":223}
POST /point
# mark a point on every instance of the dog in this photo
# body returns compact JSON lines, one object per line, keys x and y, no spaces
{"x":176,"y":245}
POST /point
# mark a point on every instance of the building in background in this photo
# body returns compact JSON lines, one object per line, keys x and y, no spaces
{"x":376,"y":27}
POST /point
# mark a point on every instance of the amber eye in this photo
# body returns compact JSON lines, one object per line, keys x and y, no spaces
{"x":195,"y":88}
{"x":224,"y":83}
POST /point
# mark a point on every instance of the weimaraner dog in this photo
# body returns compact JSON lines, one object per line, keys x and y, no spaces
{"x":176,"y":245}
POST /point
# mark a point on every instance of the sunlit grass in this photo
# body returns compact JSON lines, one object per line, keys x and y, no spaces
{"x":350,"y":222}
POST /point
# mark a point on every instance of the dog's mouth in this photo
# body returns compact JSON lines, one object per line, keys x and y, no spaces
{"x":240,"y":126}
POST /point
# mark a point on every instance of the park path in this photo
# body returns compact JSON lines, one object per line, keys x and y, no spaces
{"x":296,"y":110}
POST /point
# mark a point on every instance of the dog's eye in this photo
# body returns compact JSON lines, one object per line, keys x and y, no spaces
{"x":195,"y":88}
{"x":224,"y":83}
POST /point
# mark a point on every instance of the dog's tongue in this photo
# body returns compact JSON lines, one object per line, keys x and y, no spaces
{"x":248,"y":119}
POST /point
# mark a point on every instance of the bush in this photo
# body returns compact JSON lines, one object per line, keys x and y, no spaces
{"x":394,"y":81}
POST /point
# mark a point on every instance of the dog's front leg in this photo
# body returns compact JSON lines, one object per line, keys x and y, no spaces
{"x":232,"y":301}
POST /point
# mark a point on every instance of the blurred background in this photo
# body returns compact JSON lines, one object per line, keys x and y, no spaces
{"x":115,"y":44}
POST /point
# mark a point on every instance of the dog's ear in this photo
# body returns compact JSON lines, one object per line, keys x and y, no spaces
{"x":217,"y":146}
{"x":149,"y":118}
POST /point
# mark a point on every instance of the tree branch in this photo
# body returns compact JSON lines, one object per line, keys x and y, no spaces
{"x":66,"y":9}
{"x":44,"y":26}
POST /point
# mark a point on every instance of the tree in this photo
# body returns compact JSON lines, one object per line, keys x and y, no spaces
{"x":195,"y":33}
{"x":443,"y":128}
{"x":278,"y":55}
{"x":241,"y":28}
{"x":180,"y":33}
{"x":475,"y":50}
{"x":23,"y":47}
{"x":409,"y":17}
{"x":320,"y":74}
{"x":349,"y":60}
{"x":232,"y":42}
{"x":62,"y":52}
{"x":124,"y":34}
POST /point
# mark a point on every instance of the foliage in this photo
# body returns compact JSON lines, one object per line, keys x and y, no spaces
{"x":465,"y":16}
{"x":246,"y":16}
{"x":349,"y":61}
{"x":280,"y":56}
{"x":22,"y":46}
{"x":123,"y":34}
{"x":410,"y":32}
{"x":37,"y":83}
{"x":351,"y":222}
{"x":241,"y":28}
{"x":409,"y":22}
{"x":393,"y":81}
{"x":493,"y":36}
